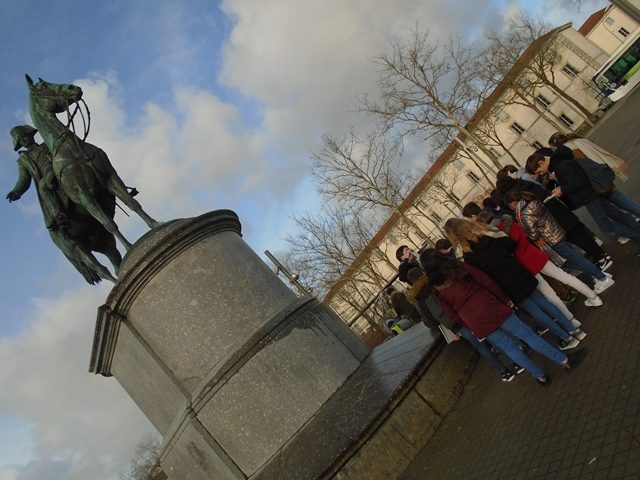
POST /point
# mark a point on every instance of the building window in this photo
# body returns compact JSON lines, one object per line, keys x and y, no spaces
{"x":609,"y":21}
{"x":624,"y":32}
{"x":537,"y":145}
{"x":501,"y":114}
{"x":566,"y":120}
{"x":436,"y":217}
{"x":516,"y":127}
{"x":368,"y":293}
{"x":544,"y":101}
{"x":473,"y":177}
{"x":458,"y":163}
{"x":494,"y":153}
{"x":570,"y":70}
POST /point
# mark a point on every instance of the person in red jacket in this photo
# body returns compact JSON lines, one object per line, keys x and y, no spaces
{"x":470,"y":297}
{"x":537,"y":262}
{"x":541,"y":227}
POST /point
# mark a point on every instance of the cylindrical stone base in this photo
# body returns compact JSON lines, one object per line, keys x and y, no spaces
{"x":221,"y":356}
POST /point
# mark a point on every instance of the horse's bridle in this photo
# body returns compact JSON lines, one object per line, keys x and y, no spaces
{"x":62,"y":100}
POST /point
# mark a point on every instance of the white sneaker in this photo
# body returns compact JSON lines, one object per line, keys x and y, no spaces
{"x":601,"y":285}
{"x":576,"y":323}
{"x":572,"y":342}
{"x":593,"y":302}
{"x":623,"y":240}
{"x":579,"y":334}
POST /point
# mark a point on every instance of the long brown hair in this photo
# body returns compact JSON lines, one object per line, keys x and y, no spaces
{"x":517,"y":195}
{"x":560,"y":138}
{"x":461,"y":231}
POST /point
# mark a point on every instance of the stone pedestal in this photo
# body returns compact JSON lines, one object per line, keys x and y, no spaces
{"x":220,"y":355}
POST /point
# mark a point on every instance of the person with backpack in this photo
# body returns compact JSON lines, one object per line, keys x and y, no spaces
{"x":574,"y":184}
{"x":602,"y":167}
{"x":421,"y":295}
{"x":585,"y":148}
{"x":577,"y":232}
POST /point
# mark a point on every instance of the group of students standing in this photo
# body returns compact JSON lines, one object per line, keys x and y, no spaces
{"x":500,"y":259}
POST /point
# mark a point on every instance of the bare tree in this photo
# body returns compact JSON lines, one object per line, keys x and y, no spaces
{"x":440,"y":191}
{"x":540,"y":43}
{"x":496,"y":69}
{"x":365,"y":175}
{"x":428,"y":89}
{"x":326,"y":246}
{"x":144,"y":458}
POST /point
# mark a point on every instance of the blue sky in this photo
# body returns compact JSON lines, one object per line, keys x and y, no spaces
{"x":201,"y":105}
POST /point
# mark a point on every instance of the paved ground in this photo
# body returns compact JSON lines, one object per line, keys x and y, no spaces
{"x":586,"y":424}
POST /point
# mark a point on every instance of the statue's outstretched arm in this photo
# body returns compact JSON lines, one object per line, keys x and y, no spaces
{"x":22,"y":184}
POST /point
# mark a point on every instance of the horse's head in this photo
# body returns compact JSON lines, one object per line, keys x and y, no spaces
{"x":53,"y":97}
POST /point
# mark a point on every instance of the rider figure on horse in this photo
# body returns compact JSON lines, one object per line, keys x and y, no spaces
{"x":34,"y":163}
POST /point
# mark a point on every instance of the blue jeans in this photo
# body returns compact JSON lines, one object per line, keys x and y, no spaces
{"x":483,"y":349}
{"x":577,"y":261}
{"x":613,"y":221}
{"x":625,"y":202}
{"x":543,"y":312}
{"x":502,"y":338}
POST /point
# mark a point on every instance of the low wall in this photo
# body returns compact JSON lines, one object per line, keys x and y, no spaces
{"x":413,"y":418}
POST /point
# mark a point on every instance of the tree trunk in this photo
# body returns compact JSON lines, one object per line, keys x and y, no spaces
{"x":586,"y":113}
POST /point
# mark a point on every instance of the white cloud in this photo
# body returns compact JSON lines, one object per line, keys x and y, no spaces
{"x":80,"y":420}
{"x":307,"y":64}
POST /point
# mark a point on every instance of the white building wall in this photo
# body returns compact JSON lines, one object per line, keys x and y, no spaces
{"x":608,"y":33}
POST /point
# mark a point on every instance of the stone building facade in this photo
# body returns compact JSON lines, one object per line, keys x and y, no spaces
{"x":608,"y":28}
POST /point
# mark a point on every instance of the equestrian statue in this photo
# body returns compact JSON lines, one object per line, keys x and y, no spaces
{"x":76,"y":184}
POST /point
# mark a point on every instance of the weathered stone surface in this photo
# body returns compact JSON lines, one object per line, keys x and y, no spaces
{"x":146,"y":382}
{"x":446,"y":377}
{"x":384,"y":456}
{"x":411,"y":421}
{"x":348,"y":418}
{"x":206,"y":304}
{"x":277,"y":391}
{"x":340,"y":329}
{"x":194,"y":457}
{"x":415,"y":419}
{"x":198,"y":315}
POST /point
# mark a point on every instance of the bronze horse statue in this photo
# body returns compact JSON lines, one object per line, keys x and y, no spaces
{"x":84,"y":173}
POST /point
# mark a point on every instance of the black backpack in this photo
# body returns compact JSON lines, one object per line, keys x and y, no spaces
{"x":601,"y":176}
